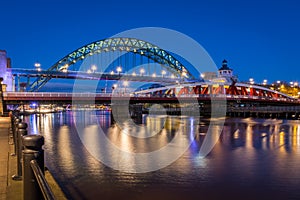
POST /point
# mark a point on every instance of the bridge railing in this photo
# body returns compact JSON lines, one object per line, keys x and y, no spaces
{"x":54,"y":94}
{"x":266,"y":109}
{"x":144,"y":95}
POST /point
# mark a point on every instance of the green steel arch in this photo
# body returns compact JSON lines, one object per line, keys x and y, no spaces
{"x":133,"y":45}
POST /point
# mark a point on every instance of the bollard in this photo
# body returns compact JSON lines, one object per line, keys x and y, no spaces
{"x":15,"y":130}
{"x":12,"y":122}
{"x":32,"y":151}
{"x":21,"y":131}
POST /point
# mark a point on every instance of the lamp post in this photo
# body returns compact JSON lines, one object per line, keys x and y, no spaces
{"x":37,"y":66}
{"x":251,"y":80}
{"x":265,"y":82}
{"x":142,"y":71}
{"x":94,"y":68}
{"x":119,"y":69}
{"x":125,"y":83}
{"x":163,"y":72}
{"x":114,"y":88}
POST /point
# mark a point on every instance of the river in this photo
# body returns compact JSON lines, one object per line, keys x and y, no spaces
{"x":253,"y":158}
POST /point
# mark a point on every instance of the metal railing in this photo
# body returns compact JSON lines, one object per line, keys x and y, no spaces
{"x":44,"y":186}
{"x":143,"y":95}
{"x":30,"y":161}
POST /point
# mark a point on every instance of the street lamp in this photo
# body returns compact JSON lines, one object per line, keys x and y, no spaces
{"x":37,"y":66}
{"x":153,"y":75}
{"x":265,"y":82}
{"x":114,"y":87}
{"x":119,"y":69}
{"x":251,"y":80}
{"x":125,"y":83}
{"x":133,"y":74}
{"x":94,"y":68}
{"x":142,"y":71}
{"x":163,"y":72}
{"x":89,"y":71}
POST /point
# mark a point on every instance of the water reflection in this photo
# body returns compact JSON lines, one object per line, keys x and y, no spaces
{"x":251,"y":156}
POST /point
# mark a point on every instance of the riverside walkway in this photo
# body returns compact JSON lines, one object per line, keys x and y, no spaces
{"x":11,"y":189}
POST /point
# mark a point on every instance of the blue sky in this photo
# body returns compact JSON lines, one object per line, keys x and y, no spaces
{"x":259,"y":38}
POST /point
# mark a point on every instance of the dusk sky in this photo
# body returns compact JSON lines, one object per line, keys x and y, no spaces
{"x":259,"y":38}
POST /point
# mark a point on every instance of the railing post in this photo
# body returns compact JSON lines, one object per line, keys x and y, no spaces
{"x":21,"y":127}
{"x":32,"y":151}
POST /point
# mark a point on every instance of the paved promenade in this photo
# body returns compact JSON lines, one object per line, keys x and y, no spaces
{"x":10,"y":189}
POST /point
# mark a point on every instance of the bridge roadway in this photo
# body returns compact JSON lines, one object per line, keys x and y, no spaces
{"x":92,"y":76}
{"x":13,"y":98}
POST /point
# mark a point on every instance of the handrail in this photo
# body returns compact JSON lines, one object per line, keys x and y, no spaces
{"x":44,"y":186}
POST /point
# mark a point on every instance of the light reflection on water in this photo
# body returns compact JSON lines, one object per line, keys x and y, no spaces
{"x":254,"y":158}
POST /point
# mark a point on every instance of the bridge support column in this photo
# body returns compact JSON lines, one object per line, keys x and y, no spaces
{"x":17,"y":82}
{"x":28,"y":83}
{"x":119,"y":113}
{"x":136,"y":113}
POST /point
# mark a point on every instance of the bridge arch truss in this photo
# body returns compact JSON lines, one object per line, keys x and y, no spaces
{"x":133,"y":45}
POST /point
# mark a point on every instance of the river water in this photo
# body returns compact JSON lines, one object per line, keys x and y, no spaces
{"x":253,"y":158}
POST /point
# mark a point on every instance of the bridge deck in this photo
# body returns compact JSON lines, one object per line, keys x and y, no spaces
{"x":17,"y":97}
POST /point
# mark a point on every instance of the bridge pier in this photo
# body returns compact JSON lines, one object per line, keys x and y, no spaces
{"x":136,"y":113}
{"x":121,"y":113}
